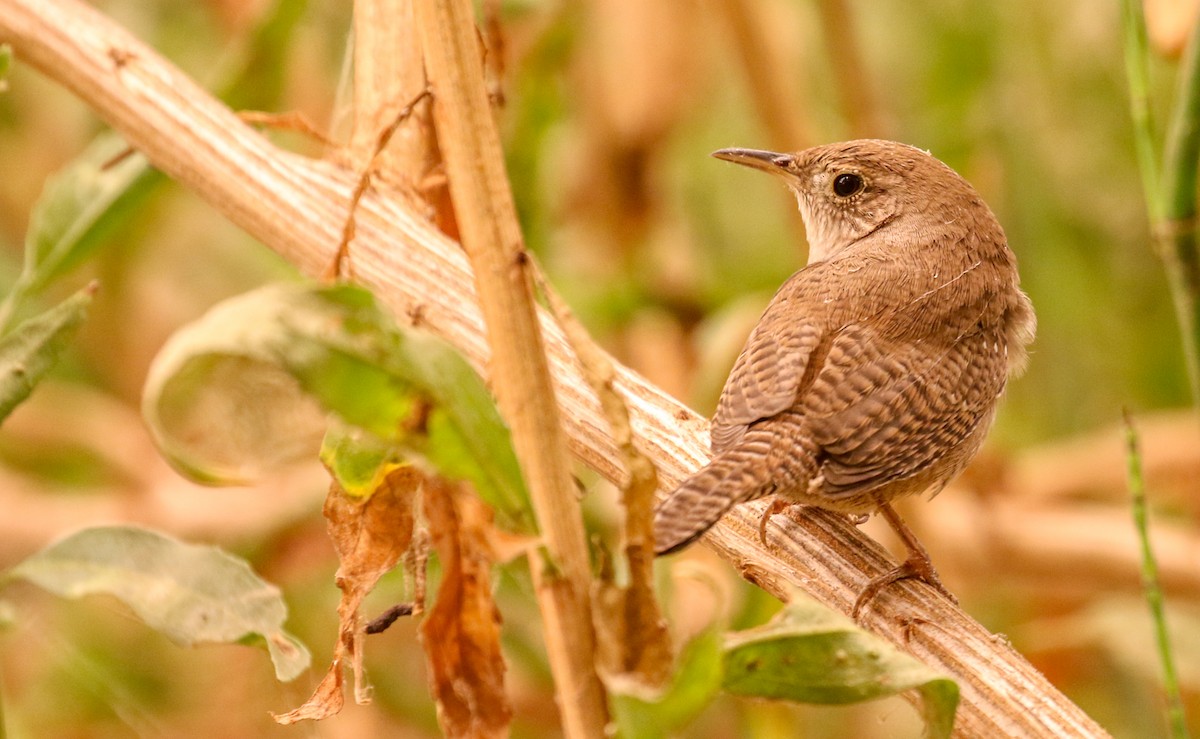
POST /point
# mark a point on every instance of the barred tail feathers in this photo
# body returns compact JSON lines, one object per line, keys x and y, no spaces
{"x":736,"y":476}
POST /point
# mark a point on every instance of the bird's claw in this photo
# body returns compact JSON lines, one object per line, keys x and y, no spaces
{"x":915,"y":566}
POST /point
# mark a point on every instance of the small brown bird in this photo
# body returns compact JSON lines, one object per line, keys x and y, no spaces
{"x":875,"y":371}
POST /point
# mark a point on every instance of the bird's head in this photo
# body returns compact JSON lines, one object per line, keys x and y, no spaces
{"x":854,"y":189}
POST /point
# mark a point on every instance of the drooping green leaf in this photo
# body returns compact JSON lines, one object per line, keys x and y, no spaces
{"x":696,"y":682}
{"x":810,"y":654}
{"x":226,"y":396}
{"x":33,"y":347}
{"x":192,"y":594}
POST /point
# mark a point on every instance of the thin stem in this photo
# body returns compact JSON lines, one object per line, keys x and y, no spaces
{"x":1151,"y":585}
{"x":1137,"y":72}
{"x":491,"y":236}
{"x":1177,"y":231}
{"x":388,"y":72}
{"x":1171,"y":196}
{"x":1183,"y":141}
{"x":645,"y":644}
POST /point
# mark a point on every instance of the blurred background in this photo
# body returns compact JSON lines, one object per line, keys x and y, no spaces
{"x":609,"y":109}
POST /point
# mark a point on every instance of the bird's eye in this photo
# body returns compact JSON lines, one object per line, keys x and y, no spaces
{"x":847,"y":184}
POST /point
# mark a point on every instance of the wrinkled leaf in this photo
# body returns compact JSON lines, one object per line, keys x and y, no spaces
{"x":461,"y":633}
{"x":34,"y":347}
{"x":192,"y":594}
{"x":370,"y":533}
{"x":224,"y":396}
{"x":810,"y":654}
{"x":697,"y":681}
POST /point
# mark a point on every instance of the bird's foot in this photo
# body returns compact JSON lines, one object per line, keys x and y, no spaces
{"x":777,"y":505}
{"x":917,"y":566}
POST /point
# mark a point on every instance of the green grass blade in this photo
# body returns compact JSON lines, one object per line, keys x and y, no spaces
{"x":1151,"y":586}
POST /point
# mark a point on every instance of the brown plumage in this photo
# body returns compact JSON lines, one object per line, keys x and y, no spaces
{"x":875,"y":370}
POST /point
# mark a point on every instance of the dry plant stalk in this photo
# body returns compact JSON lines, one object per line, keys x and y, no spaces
{"x":491,"y":236}
{"x":629,"y":620}
{"x":388,"y":72}
{"x":297,"y":206}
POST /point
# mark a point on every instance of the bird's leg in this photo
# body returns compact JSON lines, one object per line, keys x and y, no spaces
{"x":779,"y":505}
{"x":917,"y":565}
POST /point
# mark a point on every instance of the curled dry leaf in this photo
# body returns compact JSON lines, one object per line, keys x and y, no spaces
{"x":370,"y":534}
{"x":327,"y":700}
{"x":461,"y":634}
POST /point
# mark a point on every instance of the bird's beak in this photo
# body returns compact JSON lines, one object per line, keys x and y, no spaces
{"x":767,"y":161}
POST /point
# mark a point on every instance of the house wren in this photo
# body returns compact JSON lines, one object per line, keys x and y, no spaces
{"x":875,"y":371}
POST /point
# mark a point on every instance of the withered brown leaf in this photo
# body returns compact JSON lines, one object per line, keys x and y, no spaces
{"x":370,"y":535}
{"x":461,"y":633}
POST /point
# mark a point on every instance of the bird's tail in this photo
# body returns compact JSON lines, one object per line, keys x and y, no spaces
{"x":735,"y":476}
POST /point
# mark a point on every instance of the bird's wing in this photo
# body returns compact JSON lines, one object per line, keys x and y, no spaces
{"x":882,"y":411}
{"x":769,"y":374}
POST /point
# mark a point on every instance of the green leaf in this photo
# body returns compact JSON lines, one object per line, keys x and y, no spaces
{"x":81,"y":206}
{"x":192,"y":594}
{"x":78,"y":210}
{"x":226,"y":396}
{"x":810,"y":654}
{"x":359,"y":461}
{"x":34,"y":347}
{"x":696,"y":682}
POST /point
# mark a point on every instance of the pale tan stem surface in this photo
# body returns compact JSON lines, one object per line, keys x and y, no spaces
{"x":297,"y":207}
{"x":388,"y":74}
